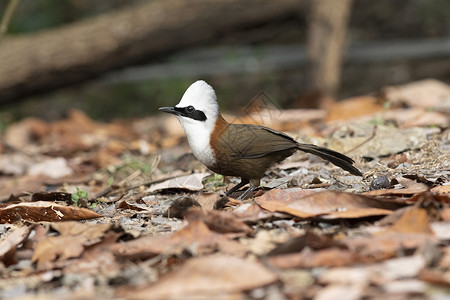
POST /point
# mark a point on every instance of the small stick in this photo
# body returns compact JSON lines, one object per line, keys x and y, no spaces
{"x":374,"y":131}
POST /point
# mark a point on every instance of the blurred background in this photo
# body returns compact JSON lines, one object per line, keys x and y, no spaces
{"x":124,"y":58}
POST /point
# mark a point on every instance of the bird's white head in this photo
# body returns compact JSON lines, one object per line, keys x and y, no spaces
{"x":197,"y":112}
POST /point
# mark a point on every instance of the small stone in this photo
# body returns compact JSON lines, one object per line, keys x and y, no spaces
{"x":379,"y":183}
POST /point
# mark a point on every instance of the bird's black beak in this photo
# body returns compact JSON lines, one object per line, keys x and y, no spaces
{"x":169,"y":110}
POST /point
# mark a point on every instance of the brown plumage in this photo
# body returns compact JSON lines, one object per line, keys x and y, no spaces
{"x":247,"y":151}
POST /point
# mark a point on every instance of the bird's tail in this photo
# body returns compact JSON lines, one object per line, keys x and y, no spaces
{"x":332,"y":156}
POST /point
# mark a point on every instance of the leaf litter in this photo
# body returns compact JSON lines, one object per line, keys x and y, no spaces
{"x":154,"y":223}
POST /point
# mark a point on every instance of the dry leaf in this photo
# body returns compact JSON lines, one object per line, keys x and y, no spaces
{"x":194,"y":237}
{"x":9,"y":244}
{"x":71,"y":242}
{"x":206,"y":277}
{"x":441,"y":189}
{"x":219,"y":221}
{"x":423,"y":93}
{"x":413,"y":220}
{"x":52,"y":167}
{"x":325,"y":205}
{"x":178,"y":208}
{"x":42,"y":211}
{"x":190,"y":182}
{"x":354,"y":107}
{"x":332,"y":257}
{"x":125,"y":205}
{"x":207,"y":200}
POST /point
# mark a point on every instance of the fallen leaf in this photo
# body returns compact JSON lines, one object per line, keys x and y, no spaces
{"x":190,"y":182}
{"x":310,"y":250}
{"x":52,"y":167}
{"x":310,"y":240}
{"x":196,"y":237}
{"x":354,"y":107}
{"x":387,"y":244}
{"x":429,"y":197}
{"x":96,"y":260}
{"x":23,"y":133}
{"x":441,"y":189}
{"x":42,"y":211}
{"x":180,"y":206}
{"x":395,"y":192}
{"x":332,"y":257}
{"x":379,"y":273}
{"x":252,"y":213}
{"x":325,"y":205}
{"x":15,"y":164}
{"x":206,"y":277}
{"x":9,"y":244}
{"x":219,"y":221}
{"x":71,"y":242}
{"x":413,"y":220}
{"x":424,"y":93}
{"x":126,"y":205}
{"x":207,"y":200}
{"x":445,"y":214}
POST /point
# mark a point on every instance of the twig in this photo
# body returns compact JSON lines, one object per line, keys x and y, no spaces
{"x":7,"y":17}
{"x":374,"y":131}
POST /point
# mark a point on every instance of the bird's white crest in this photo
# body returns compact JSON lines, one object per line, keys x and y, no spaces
{"x":202,"y":97}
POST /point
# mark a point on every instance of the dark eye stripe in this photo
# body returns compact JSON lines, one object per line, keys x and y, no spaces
{"x":192,"y":113}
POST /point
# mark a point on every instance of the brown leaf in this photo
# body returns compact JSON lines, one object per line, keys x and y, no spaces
{"x":125,"y":205}
{"x":195,"y":234}
{"x":71,"y":242}
{"x":251,"y":212}
{"x":331,"y":257}
{"x":326,"y":205}
{"x":395,"y":192}
{"x":96,"y":260}
{"x":386,"y":245}
{"x":310,"y":240}
{"x":180,"y":206}
{"x":207,"y":276}
{"x":89,"y":231}
{"x":424,"y":93}
{"x":42,"y":211}
{"x":441,"y":189}
{"x":428,"y":197}
{"x":219,"y":221}
{"x":354,"y":107}
{"x":9,"y":244}
{"x":207,"y":200}
{"x":413,"y":220}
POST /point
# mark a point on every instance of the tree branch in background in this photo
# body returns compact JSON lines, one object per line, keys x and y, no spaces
{"x":74,"y":53}
{"x":327,"y":42}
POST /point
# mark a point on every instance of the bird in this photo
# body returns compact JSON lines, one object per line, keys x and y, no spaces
{"x":241,"y":150}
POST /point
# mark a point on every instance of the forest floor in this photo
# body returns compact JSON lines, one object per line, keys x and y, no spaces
{"x":123,"y":210}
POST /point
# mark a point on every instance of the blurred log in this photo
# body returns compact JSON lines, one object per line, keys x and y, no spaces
{"x":326,"y":43}
{"x":74,"y":53}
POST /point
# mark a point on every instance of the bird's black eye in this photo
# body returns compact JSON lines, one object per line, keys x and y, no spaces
{"x":190,"y":109}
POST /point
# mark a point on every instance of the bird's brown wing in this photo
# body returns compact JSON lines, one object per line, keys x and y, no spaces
{"x":245,"y":141}
{"x":253,"y":141}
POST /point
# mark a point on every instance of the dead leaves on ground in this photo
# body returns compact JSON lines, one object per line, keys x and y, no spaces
{"x":173,"y":238}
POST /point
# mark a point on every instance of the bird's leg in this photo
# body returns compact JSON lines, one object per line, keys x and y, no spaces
{"x":253,"y":185}
{"x":236,"y":187}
